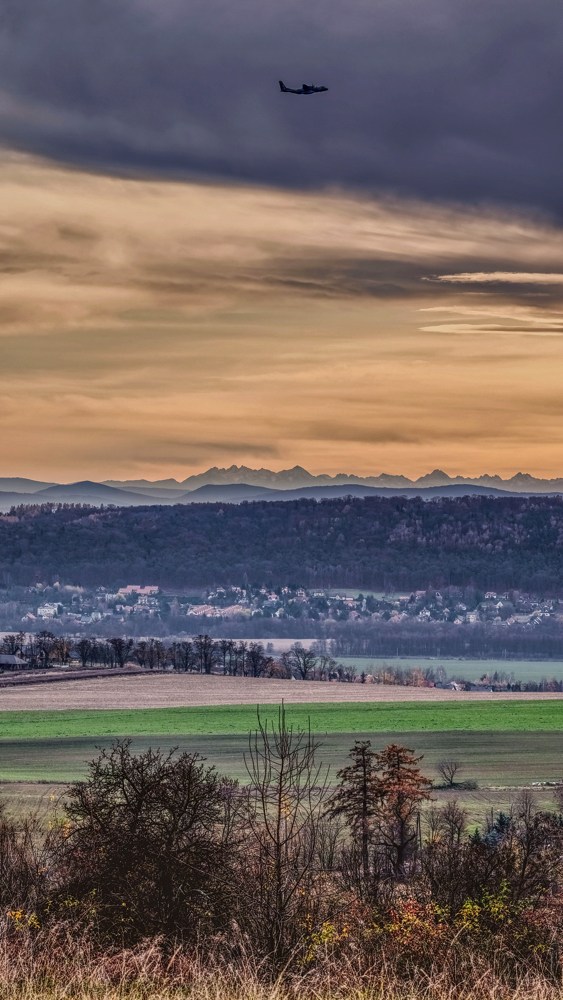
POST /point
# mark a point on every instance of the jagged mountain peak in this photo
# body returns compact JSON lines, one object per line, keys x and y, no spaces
{"x":435,"y":478}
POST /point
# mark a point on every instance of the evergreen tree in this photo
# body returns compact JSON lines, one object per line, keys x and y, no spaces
{"x":357,"y":795}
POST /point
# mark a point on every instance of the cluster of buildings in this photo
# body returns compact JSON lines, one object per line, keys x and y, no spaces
{"x":508,"y":608}
{"x":73,"y":606}
{"x":85,"y":608}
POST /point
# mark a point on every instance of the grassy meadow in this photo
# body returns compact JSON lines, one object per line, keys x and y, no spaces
{"x":502,"y":745}
{"x":470,"y":670}
{"x":33,"y":773}
{"x":491,"y":757}
{"x":232,"y":720}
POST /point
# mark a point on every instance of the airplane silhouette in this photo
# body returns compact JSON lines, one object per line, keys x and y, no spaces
{"x":305,"y":89}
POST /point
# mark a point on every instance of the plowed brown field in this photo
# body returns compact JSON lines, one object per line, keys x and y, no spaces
{"x":184,"y":690}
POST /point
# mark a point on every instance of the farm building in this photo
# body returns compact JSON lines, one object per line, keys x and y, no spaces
{"x":10,"y":661}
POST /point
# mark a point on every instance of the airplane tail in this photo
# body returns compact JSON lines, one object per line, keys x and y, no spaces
{"x":283,"y":88}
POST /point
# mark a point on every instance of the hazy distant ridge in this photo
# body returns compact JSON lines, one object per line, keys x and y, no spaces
{"x":297,"y":477}
{"x":213,"y":485}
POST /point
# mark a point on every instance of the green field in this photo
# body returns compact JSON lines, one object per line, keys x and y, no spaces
{"x":353,"y":717}
{"x":501,"y":758}
{"x":470,"y":670}
{"x":502,"y":744}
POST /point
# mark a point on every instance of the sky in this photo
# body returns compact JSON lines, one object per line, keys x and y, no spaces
{"x":197,"y":270}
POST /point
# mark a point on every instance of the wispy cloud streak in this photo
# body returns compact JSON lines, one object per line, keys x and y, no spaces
{"x":506,"y":277}
{"x":152,"y":328}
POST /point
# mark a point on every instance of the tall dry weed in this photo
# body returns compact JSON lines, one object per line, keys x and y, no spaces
{"x":54,"y":966}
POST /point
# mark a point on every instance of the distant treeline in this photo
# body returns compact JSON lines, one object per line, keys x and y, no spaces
{"x":198,"y":655}
{"x":482,"y":640}
{"x":201,"y":654}
{"x":478,"y":641}
{"x":378,"y":543}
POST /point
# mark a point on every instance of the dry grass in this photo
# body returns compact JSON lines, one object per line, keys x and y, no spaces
{"x":216,"y":987}
{"x":184,"y":690}
{"x":51,"y":970}
{"x":22,"y":798}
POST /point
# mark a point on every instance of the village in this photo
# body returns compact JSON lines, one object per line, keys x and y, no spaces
{"x":76,"y":607}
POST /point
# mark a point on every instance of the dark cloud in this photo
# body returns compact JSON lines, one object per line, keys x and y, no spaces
{"x":444,"y":100}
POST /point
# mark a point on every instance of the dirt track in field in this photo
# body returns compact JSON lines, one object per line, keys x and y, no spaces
{"x":184,"y":690}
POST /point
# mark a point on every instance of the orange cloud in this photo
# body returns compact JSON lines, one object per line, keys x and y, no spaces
{"x":152,"y":328}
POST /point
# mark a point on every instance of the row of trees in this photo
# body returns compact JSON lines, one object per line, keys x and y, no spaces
{"x":204,"y":655}
{"x":200,"y":655}
{"x":45,"y":649}
{"x":374,"y":639}
{"x":288,"y":866}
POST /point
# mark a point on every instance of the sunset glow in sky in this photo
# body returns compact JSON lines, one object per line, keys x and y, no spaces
{"x":195,"y":274}
{"x":156,"y":328}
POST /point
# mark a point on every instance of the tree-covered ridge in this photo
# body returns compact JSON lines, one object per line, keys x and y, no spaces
{"x":370,"y":543}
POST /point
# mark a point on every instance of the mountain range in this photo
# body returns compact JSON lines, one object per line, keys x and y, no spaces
{"x":239,"y":483}
{"x":298,"y":477}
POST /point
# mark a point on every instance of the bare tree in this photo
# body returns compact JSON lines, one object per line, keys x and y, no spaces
{"x":447,"y":769}
{"x":329,"y":834}
{"x":240,"y":658}
{"x":148,"y":834}
{"x":121,"y":648}
{"x":45,"y":645}
{"x":62,"y":648}
{"x":182,"y":655}
{"x":206,"y":653}
{"x":151,"y":654}
{"x":256,"y":660}
{"x":226,"y":649}
{"x":302,"y":661}
{"x":160,"y":653}
{"x":453,"y":822}
{"x":433,"y":821}
{"x":326,"y":665}
{"x":98,"y":651}
{"x":140,"y":653}
{"x":286,"y":798}
{"x":83,"y":648}
{"x":13,"y":644}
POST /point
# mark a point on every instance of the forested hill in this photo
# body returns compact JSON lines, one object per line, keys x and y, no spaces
{"x":369,"y":543}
